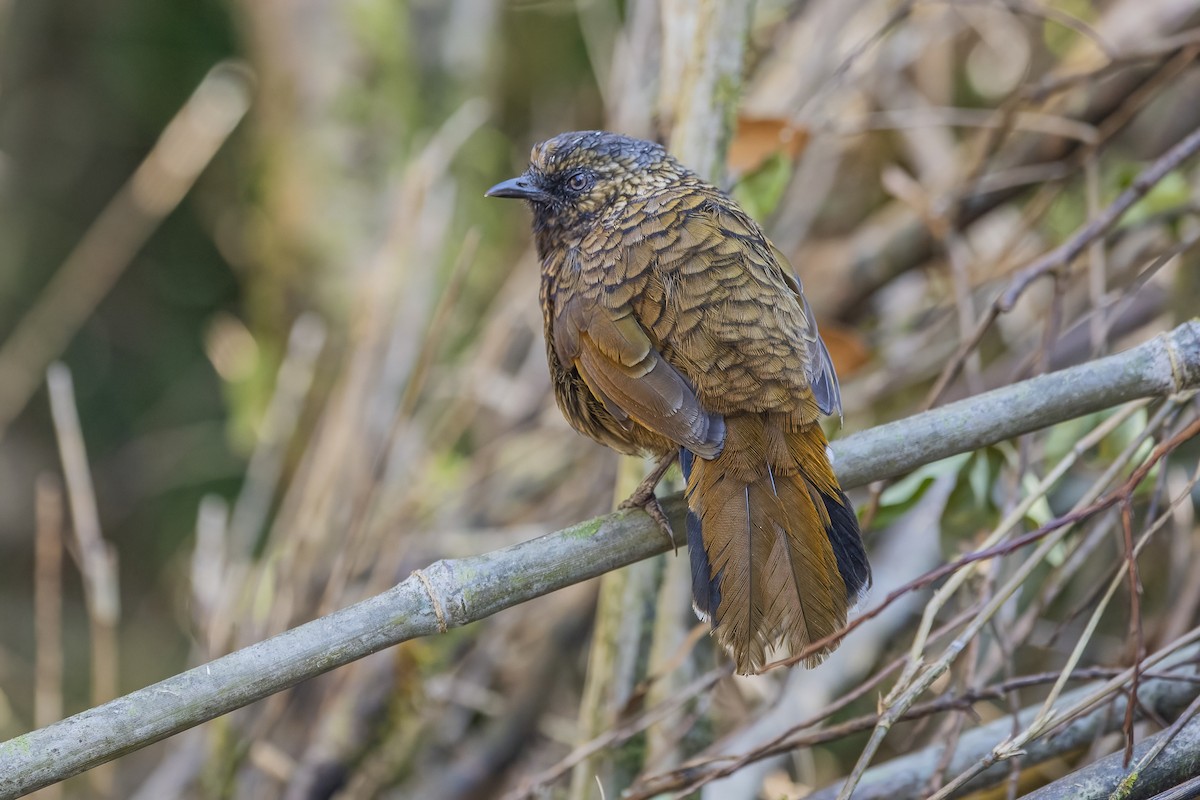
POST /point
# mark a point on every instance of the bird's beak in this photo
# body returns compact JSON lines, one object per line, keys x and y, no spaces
{"x":520,"y":187}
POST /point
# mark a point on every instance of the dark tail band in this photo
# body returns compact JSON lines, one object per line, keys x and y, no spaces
{"x":706,"y":593}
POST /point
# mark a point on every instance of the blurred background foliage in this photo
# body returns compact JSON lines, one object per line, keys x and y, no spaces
{"x":332,"y":347}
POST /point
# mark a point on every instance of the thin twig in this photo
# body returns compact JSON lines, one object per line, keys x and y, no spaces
{"x":47,"y":605}
{"x":714,"y":765}
{"x":1069,"y":250}
{"x":1088,"y":706}
{"x":917,"y":684}
{"x":1047,"y":714}
{"x":1097,"y":261}
{"x":47,"y":571}
{"x":253,"y":504}
{"x":97,"y":558}
{"x":695,"y":774}
{"x":1136,"y":637}
{"x":1126,"y":786}
{"x":1063,"y":255}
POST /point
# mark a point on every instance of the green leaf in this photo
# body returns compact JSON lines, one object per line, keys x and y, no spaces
{"x":907,"y":492}
{"x":760,"y":191}
{"x":969,"y":508}
{"x":1062,"y":437}
{"x":1172,"y":192}
{"x":1125,"y":435}
{"x":1039,"y":513}
{"x":980,"y":478}
{"x":1059,"y":38}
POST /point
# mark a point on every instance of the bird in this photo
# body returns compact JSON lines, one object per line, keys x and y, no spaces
{"x":675,"y":329}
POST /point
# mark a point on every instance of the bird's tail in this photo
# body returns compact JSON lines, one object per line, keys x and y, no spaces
{"x":775,"y":547}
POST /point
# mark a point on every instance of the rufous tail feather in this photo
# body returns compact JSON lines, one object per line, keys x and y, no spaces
{"x":775,"y":547}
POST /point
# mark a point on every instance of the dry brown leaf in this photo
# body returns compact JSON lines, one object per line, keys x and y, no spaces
{"x":847,"y":348}
{"x":756,"y":140}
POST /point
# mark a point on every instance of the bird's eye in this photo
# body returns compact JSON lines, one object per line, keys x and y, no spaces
{"x":579,"y":181}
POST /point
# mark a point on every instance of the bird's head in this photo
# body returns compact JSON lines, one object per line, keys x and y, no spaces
{"x":575,"y":177}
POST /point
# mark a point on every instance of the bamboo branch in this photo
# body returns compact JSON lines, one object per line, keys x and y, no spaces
{"x":1170,"y":776}
{"x":898,"y":447}
{"x":904,"y":778}
{"x":456,"y":592}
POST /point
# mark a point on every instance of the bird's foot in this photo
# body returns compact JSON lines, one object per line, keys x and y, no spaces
{"x":643,"y":497}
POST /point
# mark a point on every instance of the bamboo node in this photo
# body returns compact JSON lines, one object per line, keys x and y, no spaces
{"x":437,"y":604}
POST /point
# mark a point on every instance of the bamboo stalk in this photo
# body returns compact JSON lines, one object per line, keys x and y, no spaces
{"x":700,"y":76}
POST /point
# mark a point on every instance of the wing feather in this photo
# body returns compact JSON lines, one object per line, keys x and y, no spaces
{"x":627,"y":373}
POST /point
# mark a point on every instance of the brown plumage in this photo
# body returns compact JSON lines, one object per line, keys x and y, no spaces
{"x":672,"y":323}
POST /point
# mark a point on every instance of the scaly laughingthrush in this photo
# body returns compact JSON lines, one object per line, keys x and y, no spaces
{"x":674,"y":325}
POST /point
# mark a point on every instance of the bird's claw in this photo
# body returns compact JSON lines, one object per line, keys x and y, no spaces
{"x":646,"y":500}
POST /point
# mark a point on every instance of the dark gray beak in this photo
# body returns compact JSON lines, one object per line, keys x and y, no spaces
{"x":520,"y":187}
